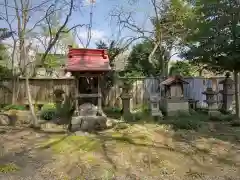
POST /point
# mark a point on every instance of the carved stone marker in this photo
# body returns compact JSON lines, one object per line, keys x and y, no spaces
{"x":155,"y":109}
{"x":227,"y":92}
{"x":126,"y":105}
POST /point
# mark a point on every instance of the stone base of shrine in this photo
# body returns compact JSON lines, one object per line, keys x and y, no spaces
{"x":88,"y":123}
{"x":173,"y":106}
{"x":214,"y":113}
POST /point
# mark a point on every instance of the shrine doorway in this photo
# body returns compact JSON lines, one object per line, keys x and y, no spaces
{"x":88,"y":86}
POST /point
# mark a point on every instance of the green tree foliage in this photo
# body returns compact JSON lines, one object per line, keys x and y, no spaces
{"x":214,"y":35}
{"x":169,"y":28}
{"x":182,"y":68}
{"x":4,"y":71}
{"x":170,"y":24}
{"x":138,"y":59}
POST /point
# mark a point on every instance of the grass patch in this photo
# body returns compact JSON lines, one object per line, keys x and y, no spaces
{"x":71,"y":143}
{"x":8,"y":168}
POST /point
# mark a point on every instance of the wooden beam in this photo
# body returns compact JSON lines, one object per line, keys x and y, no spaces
{"x":76,"y":100}
{"x":99,"y":94}
{"x":88,"y":95}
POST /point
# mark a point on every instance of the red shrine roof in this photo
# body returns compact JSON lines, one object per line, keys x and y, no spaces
{"x":173,"y":79}
{"x":85,"y":60}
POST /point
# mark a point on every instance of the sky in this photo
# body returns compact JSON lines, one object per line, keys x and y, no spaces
{"x":103,"y":26}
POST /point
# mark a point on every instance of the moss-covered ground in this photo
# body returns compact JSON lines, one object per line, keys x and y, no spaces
{"x":128,"y":151}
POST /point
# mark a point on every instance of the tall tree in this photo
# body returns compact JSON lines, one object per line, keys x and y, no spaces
{"x":138,"y":59}
{"x":168,"y":27}
{"x":214,"y":37}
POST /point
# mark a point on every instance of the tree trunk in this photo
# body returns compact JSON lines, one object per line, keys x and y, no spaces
{"x":13,"y":90}
{"x":236,"y":93}
{"x":31,"y":107}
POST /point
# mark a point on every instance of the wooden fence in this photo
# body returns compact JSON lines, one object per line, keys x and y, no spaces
{"x":42,"y":90}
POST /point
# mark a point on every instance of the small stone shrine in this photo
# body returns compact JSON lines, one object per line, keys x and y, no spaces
{"x":173,"y":100}
{"x":227,"y":92}
{"x":211,"y":101}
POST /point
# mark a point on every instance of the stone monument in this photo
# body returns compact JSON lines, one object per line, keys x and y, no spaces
{"x":211,"y":101}
{"x":58,"y":98}
{"x":173,"y":100}
{"x":126,"y":97}
{"x":154,"y":104}
{"x":227,"y":92}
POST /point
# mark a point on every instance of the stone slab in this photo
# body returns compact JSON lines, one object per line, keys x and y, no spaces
{"x":88,"y":123}
{"x":76,"y":120}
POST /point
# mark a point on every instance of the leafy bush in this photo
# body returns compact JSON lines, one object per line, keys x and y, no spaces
{"x":113,"y":112}
{"x":222,"y":118}
{"x":15,"y":107}
{"x":235,"y":123}
{"x":48,"y":111}
{"x":187,"y":121}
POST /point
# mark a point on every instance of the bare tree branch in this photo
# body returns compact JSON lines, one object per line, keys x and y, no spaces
{"x":54,"y":40}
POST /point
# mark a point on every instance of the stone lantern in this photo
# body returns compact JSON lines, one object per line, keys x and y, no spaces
{"x":227,"y":92}
{"x":126,"y":97}
{"x":211,"y":101}
{"x":155,"y":109}
{"x":58,"y":96}
{"x":173,"y":100}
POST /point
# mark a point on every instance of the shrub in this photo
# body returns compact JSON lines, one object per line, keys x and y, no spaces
{"x":188,"y":123}
{"x":48,"y":111}
{"x":15,"y":107}
{"x":113,"y":112}
{"x":222,"y":118}
{"x":235,"y":123}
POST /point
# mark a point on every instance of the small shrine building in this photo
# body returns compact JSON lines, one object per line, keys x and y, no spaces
{"x":88,"y":66}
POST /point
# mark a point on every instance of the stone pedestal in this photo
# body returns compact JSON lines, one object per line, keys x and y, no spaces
{"x":227,"y":93}
{"x":126,"y":105}
{"x":88,"y":119}
{"x":173,"y":106}
{"x":211,"y":101}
